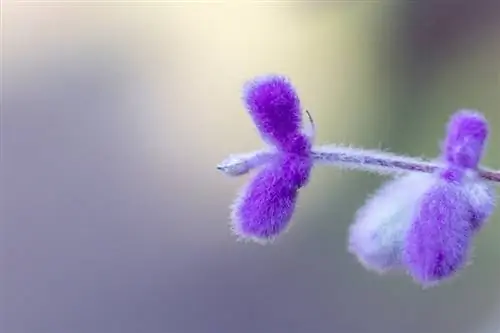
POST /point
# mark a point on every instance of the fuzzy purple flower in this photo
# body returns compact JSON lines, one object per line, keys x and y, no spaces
{"x":266,"y":205}
{"x":463,"y":149}
{"x":439,"y":239}
{"x":423,"y":220}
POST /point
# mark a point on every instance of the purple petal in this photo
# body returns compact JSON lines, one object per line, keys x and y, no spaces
{"x":437,"y":243}
{"x":275,"y":109}
{"x":466,"y":138}
{"x":266,"y":206}
{"x":378,"y":233}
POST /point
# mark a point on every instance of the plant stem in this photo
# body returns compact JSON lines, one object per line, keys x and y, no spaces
{"x":382,"y":162}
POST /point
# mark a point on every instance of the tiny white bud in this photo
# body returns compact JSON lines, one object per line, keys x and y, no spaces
{"x":240,"y":164}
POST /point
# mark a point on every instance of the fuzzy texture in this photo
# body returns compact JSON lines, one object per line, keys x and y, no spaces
{"x":437,"y":243}
{"x":266,"y":205}
{"x":379,"y":230}
{"x":275,"y":109}
{"x":240,"y":164}
{"x":380,"y":162}
{"x":455,"y":208}
{"x":467,"y":132}
{"x":482,"y":201}
{"x":423,"y":221}
{"x":466,"y":137}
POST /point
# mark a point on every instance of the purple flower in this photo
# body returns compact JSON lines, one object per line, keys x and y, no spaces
{"x":423,"y":220}
{"x":266,"y":205}
{"x":438,"y":242}
{"x":463,"y":148}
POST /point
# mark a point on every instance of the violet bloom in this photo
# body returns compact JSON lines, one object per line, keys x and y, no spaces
{"x":423,"y":220}
{"x":454,"y":208}
{"x":266,"y":205}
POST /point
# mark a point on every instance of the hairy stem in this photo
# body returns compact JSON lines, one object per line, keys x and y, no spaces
{"x":240,"y":164}
{"x":348,"y":158}
{"x":382,"y":162}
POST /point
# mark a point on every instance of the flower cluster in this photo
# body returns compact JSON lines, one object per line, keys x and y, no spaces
{"x":423,"y":220}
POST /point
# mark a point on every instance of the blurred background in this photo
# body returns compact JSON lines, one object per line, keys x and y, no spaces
{"x":115,"y":114}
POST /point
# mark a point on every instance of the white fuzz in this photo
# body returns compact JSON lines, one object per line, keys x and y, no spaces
{"x":378,"y":232}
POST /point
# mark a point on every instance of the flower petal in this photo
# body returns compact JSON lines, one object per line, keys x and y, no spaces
{"x":438,"y":240}
{"x":266,"y":205}
{"x":465,"y":139}
{"x":377,"y":235}
{"x":275,"y":109}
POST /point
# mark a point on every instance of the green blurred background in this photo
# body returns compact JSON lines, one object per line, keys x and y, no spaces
{"x":115,"y":113}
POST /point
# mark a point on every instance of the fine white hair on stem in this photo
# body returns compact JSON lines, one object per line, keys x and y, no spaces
{"x":383,"y":162}
{"x":240,"y":164}
{"x":370,"y":160}
{"x":346,"y":157}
